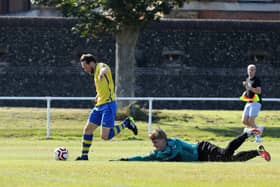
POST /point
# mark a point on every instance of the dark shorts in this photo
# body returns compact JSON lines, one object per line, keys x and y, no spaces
{"x":210,"y":152}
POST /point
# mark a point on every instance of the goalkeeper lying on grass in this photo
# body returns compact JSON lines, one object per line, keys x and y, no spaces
{"x":174,"y":149}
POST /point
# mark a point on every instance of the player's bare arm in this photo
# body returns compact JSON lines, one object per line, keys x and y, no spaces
{"x":102,"y":72}
{"x":256,"y":90}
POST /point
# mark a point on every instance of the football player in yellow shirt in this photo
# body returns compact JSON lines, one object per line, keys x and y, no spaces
{"x":104,"y":112}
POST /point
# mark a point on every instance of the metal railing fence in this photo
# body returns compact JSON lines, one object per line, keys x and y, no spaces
{"x":48,"y":100}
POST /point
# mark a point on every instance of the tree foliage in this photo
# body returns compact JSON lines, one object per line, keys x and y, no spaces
{"x":124,"y":18}
{"x":112,"y":15}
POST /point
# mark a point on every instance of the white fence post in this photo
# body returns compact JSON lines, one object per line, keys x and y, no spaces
{"x":150,"y":115}
{"x":150,"y":99}
{"x":48,"y":117}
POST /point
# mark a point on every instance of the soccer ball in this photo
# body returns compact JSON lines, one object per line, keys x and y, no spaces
{"x":60,"y":153}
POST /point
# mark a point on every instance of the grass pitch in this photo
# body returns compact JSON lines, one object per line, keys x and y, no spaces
{"x":26,"y":157}
{"x":30,"y":163}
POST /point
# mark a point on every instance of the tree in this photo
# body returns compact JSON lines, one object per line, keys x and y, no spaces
{"x":123,"y":18}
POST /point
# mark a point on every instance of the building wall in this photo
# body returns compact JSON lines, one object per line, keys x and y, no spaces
{"x":13,"y":6}
{"x":18,"y":5}
{"x":4,"y":6}
{"x":229,"y":9}
{"x":252,"y":15}
{"x":198,"y":58}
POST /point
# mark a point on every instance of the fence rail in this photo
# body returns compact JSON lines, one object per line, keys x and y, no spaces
{"x":48,"y":99}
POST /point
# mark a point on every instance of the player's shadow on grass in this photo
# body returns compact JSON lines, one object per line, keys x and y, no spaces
{"x":271,"y":132}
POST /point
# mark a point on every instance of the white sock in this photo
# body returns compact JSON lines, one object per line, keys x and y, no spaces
{"x":260,"y":128}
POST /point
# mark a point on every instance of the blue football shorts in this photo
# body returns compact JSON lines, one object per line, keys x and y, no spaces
{"x":104,"y":115}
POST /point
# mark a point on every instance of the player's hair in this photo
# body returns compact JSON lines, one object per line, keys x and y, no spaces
{"x":157,"y":134}
{"x":252,"y":66}
{"x":87,"y":58}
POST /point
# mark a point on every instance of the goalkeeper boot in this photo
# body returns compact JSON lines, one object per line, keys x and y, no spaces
{"x":84,"y":157}
{"x":263,"y":153}
{"x":130,"y":124}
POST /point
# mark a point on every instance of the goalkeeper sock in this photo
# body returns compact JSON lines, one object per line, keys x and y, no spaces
{"x":87,"y":140}
{"x":115,"y":130}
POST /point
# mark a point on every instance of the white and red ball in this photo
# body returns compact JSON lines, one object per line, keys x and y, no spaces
{"x":61,"y":153}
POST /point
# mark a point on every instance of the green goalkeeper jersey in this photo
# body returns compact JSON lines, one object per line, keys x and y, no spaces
{"x":176,"y":150}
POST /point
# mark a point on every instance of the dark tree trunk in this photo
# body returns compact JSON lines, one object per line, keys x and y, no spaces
{"x":126,"y":41}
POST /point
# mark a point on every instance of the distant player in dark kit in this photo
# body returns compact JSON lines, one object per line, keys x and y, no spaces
{"x":104,"y":112}
{"x":253,"y":98}
{"x":174,"y":149}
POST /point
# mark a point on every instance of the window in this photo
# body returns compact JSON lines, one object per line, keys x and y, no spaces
{"x":256,"y":1}
{"x":258,"y":55}
{"x":3,"y":51}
